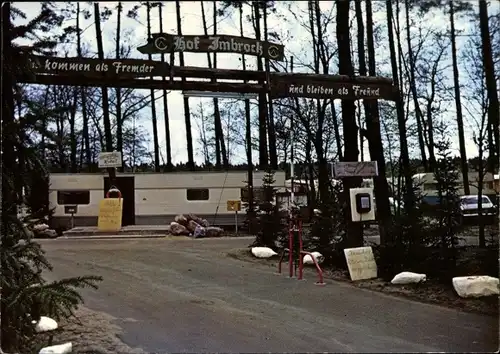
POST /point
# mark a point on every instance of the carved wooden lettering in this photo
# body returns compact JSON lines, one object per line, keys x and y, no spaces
{"x":332,"y":90}
{"x":166,"y":43}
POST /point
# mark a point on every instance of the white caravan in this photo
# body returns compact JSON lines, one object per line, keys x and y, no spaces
{"x":151,"y":198}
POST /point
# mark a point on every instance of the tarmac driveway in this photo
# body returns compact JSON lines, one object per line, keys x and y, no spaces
{"x":189,"y":296}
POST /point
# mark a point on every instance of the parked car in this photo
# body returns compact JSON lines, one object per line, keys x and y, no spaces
{"x":469,"y":207}
{"x":393,"y":203}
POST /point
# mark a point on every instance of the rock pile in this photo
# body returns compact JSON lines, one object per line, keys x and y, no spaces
{"x":41,"y":230}
{"x":192,"y":225}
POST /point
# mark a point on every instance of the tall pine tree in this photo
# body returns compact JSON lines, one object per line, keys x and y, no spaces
{"x":25,"y":294}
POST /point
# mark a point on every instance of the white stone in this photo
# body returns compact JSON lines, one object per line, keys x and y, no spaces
{"x":48,"y":233}
{"x":45,"y":324}
{"x":408,"y":278}
{"x":65,"y":348}
{"x":476,"y":286}
{"x":40,"y":227}
{"x":317,"y":256}
{"x":263,"y":252}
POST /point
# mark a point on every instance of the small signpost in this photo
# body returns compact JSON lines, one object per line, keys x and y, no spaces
{"x":356,"y":169}
{"x":234,"y":205}
{"x":110,"y":159}
{"x":72,"y":210}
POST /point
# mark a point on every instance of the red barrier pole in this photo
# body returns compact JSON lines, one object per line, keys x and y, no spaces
{"x":318,"y":268}
{"x":301,"y":260}
{"x":281,"y":261}
{"x":290,"y":251}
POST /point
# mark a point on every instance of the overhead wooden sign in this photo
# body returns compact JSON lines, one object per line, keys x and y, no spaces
{"x":97,"y":67}
{"x":332,"y":89}
{"x":136,"y":73}
{"x":356,"y":169}
{"x":178,"y":85}
{"x":167,"y":43}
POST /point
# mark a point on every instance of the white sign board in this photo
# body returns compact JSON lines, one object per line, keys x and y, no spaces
{"x":361,"y":263}
{"x":110,"y":159}
{"x":356,"y":169}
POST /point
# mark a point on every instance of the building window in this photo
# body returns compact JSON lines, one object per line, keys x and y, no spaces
{"x":258,"y":194}
{"x":430,"y":186}
{"x":197,"y":194}
{"x":488,"y":185}
{"x":73,"y":197}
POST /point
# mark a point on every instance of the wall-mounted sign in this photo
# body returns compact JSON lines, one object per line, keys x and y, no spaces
{"x":166,"y":43}
{"x":356,"y":169}
{"x":332,"y":89}
{"x":110,"y":159}
{"x":70,"y":209}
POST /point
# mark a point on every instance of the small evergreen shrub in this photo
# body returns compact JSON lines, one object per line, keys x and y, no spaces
{"x":26,"y":295}
{"x":327,"y":233}
{"x":269,"y":222}
{"x":447,"y":226}
{"x":407,"y":250}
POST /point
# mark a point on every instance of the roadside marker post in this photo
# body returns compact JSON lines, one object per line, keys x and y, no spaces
{"x":234,"y":205}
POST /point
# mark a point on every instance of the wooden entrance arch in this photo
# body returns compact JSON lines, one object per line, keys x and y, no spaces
{"x":146,"y":74}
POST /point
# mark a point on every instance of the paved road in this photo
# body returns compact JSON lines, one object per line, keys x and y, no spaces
{"x":188,"y":296}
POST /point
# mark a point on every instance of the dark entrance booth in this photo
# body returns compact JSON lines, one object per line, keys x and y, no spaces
{"x":126,"y":187}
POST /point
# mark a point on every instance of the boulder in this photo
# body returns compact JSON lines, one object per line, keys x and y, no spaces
{"x":204,"y":223}
{"x":65,"y":348}
{"x":199,"y":232}
{"x":40,"y":227}
{"x":177,"y":229}
{"x":45,"y":324}
{"x":198,"y":220}
{"x":181,"y":219}
{"x":408,"y":278}
{"x":192,"y":225}
{"x":213,"y":231}
{"x":48,"y":233}
{"x":317,"y":256}
{"x":476,"y":286}
{"x":263,"y":252}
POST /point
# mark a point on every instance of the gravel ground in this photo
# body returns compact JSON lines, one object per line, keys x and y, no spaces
{"x":93,"y":332}
{"x":188,"y":296}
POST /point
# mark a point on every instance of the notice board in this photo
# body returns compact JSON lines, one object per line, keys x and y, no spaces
{"x":110,"y":214}
{"x":361,"y":263}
